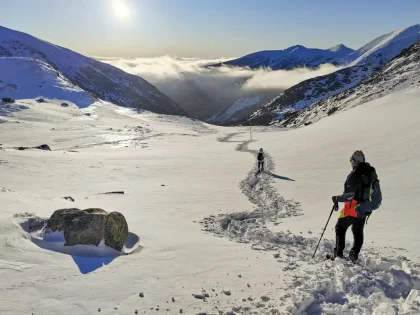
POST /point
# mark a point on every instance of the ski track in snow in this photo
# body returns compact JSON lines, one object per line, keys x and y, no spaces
{"x":379,"y":285}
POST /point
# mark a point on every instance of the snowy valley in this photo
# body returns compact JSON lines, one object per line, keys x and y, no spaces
{"x":207,"y":234}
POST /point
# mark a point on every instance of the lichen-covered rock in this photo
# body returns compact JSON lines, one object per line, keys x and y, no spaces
{"x":116,"y":231}
{"x":86,"y":229}
{"x":90,"y":226}
{"x":62,"y":218}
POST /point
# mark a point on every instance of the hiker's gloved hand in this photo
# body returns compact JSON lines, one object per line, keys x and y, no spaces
{"x":335,"y":199}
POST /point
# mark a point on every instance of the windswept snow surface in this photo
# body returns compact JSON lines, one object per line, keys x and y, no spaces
{"x":184,"y":183}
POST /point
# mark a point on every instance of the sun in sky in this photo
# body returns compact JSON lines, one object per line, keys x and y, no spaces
{"x":121,"y":8}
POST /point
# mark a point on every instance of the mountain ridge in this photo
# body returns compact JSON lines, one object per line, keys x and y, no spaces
{"x":292,"y":57}
{"x":102,"y":80}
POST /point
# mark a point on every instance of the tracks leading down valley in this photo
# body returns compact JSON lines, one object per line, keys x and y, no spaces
{"x":380,"y":283}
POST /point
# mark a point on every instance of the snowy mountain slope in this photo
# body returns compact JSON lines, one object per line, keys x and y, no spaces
{"x":242,"y":107}
{"x":293,"y":57}
{"x":24,"y":78}
{"x":363,"y":63}
{"x":308,"y":92}
{"x":382,"y":49}
{"x":402,"y":72}
{"x":101,"y":80}
{"x":175,"y":173}
{"x":229,"y":114}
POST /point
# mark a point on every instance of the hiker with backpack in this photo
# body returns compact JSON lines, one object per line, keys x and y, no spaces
{"x":362,"y":195}
{"x":260,"y":160}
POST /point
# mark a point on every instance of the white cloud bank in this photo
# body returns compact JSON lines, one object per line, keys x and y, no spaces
{"x":205,"y":90}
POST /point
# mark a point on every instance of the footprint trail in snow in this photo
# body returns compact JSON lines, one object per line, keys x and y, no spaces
{"x":381,"y":284}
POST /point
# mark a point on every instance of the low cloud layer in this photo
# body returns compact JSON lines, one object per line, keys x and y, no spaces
{"x":204,"y":91}
{"x":281,"y":79}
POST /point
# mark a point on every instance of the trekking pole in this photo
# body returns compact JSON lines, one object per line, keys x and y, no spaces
{"x":335,"y":206}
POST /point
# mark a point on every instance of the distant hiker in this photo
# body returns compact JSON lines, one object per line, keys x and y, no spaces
{"x":361,"y":195}
{"x":260,"y":159}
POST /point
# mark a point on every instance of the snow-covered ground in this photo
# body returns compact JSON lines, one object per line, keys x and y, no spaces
{"x":184,"y":183}
{"x":24,"y":78}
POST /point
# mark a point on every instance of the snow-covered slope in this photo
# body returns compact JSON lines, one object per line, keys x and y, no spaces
{"x":101,"y":80}
{"x":176,"y":173}
{"x":241,"y":108}
{"x":362,"y":64}
{"x":24,"y":78}
{"x":230,"y":114}
{"x":307,"y":92}
{"x":403,"y":71}
{"x":293,"y":57}
{"x":382,"y":49}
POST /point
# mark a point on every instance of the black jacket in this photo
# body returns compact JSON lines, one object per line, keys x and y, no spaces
{"x":260,"y":156}
{"x":359,"y":178}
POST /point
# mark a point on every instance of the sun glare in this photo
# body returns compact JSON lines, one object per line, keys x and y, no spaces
{"x":121,"y":8}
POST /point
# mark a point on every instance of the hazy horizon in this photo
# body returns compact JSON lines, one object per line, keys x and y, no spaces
{"x":204,"y":29}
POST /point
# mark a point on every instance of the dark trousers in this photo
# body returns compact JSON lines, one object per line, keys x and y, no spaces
{"x":340,"y":233}
{"x":261,"y":166}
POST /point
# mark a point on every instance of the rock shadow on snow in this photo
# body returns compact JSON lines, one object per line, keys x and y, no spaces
{"x":88,"y":258}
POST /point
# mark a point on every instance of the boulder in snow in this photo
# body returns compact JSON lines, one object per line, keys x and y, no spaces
{"x":85,"y":229}
{"x":90,"y":226}
{"x":116,"y":231}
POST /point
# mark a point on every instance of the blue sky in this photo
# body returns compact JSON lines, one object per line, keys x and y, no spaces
{"x":205,"y":28}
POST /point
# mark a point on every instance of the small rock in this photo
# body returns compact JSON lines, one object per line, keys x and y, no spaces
{"x":173,"y":299}
{"x":181,"y":310}
{"x":69,"y":198}
{"x":136,"y":312}
{"x":265,"y":298}
{"x":277,"y":255}
{"x":141,"y":294}
{"x":227,"y":292}
{"x":199,"y":296}
{"x":98,"y":310}
{"x":44,"y":147}
{"x":248,"y":285}
{"x":239,"y":276}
